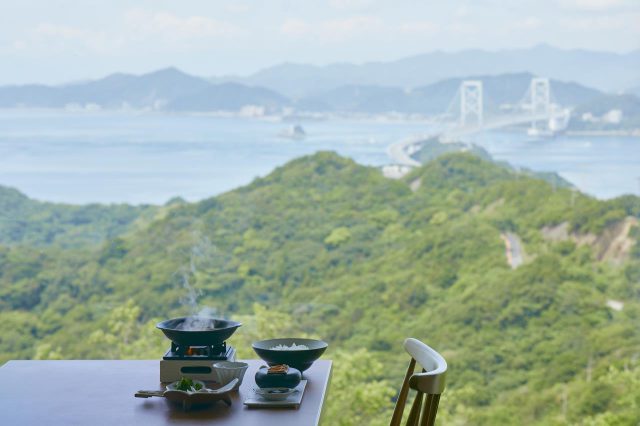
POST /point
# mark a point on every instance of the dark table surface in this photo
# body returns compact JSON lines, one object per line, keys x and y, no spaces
{"x":98,"y":392}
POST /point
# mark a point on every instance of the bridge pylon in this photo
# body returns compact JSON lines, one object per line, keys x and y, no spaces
{"x":540,"y":91}
{"x":471,"y":103}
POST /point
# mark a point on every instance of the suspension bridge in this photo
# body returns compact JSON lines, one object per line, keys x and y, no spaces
{"x":467,"y":114}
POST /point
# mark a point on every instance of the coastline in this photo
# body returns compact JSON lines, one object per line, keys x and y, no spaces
{"x":626,"y":133}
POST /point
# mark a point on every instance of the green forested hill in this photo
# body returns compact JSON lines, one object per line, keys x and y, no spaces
{"x":327,"y":248}
{"x":27,"y":221}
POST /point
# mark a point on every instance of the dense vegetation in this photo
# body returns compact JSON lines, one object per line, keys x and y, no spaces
{"x":433,"y":148}
{"x":325,"y":247}
{"x":26,"y":221}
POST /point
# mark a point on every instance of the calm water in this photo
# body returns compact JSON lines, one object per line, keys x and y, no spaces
{"x":605,"y":167}
{"x":148,"y":158}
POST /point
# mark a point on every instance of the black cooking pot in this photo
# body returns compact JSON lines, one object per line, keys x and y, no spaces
{"x":198,"y":331}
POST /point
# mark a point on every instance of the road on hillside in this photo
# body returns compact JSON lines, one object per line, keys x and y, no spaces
{"x":514,"y":250}
{"x":398,"y":152}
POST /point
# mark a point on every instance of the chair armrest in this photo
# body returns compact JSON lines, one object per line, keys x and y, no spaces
{"x":429,"y":382}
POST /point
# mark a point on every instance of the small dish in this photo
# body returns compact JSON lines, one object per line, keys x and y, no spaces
{"x":293,"y":400}
{"x":226,"y":371}
{"x":274,"y":394}
{"x":188,"y":399}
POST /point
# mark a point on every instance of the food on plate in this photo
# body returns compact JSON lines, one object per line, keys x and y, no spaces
{"x":188,"y":385}
{"x":278,"y":369}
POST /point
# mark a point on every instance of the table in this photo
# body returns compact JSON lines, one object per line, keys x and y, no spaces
{"x":100,"y":392}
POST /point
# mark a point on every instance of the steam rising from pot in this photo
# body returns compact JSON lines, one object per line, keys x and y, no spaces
{"x":199,"y":318}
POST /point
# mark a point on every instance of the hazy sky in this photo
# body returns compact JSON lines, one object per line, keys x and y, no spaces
{"x":54,"y":41}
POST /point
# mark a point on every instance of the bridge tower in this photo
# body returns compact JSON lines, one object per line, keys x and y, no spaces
{"x":540,"y":96}
{"x":471,"y":102}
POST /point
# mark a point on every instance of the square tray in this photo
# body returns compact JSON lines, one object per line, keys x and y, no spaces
{"x":292,"y":401}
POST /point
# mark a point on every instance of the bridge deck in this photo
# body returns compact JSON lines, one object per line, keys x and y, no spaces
{"x":399,"y":151}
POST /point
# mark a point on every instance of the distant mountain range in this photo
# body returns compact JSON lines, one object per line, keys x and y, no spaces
{"x":634,"y":90}
{"x":166,"y":89}
{"x":421,"y":84}
{"x":438,"y":97}
{"x":605,"y":71}
{"x":172,"y":90}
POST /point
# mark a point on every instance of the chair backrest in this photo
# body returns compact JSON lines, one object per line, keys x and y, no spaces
{"x":429,"y":382}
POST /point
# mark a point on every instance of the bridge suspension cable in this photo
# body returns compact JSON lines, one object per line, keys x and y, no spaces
{"x":536,"y":106}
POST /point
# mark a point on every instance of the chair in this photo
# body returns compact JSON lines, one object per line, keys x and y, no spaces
{"x":429,"y":382}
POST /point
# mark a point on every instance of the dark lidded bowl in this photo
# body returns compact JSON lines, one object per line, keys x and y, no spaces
{"x":298,"y":359}
{"x":290,"y":379}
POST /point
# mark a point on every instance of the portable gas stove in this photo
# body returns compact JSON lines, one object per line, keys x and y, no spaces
{"x":195,"y":362}
{"x":194,"y":351}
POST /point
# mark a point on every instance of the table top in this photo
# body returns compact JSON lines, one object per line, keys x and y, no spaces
{"x":100,"y":392}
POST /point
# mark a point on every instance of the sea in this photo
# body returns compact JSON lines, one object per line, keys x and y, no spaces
{"x":141,"y":157}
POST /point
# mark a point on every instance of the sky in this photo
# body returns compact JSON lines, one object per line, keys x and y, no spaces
{"x":56,"y":41}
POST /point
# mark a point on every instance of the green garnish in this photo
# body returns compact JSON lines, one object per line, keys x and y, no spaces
{"x":187,"y":385}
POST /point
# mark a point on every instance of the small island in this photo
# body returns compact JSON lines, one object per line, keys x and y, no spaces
{"x":294,"y":132}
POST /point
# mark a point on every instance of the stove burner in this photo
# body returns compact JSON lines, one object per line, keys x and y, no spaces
{"x":213,"y":352}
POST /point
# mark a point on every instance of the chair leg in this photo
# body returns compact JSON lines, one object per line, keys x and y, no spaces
{"x":414,"y":414}
{"x":426,"y":410}
{"x":402,"y":397}
{"x":430,"y":410}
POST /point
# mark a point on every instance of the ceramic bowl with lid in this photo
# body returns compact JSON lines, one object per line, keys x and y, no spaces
{"x":289,"y":379}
